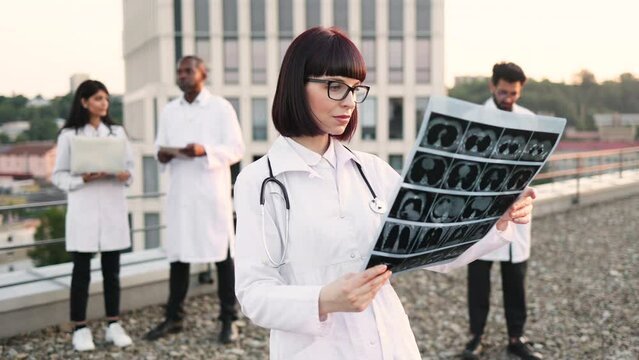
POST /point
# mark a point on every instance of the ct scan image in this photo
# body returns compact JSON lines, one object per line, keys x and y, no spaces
{"x":511,"y":144}
{"x":397,"y":238}
{"x":519,"y":177}
{"x":427,"y":170}
{"x":539,"y":146}
{"x":463,"y":175}
{"x":456,"y":235}
{"x":480,"y":140}
{"x":476,"y":207}
{"x":392,"y":263}
{"x":412,"y":205}
{"x":500,"y":205}
{"x":447,"y":208}
{"x":444,"y":133}
{"x":480,"y":229}
{"x":429,"y":238}
{"x":493,"y":177}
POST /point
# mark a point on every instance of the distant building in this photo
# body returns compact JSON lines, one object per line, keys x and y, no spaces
{"x":17,"y":233}
{"x":243,"y":43}
{"x":617,"y":127}
{"x":38,"y":101}
{"x":14,"y":128}
{"x":76,"y":79}
{"x":28,"y":160}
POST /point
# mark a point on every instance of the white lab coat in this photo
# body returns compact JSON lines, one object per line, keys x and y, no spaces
{"x":199,"y":209}
{"x":332,"y":230}
{"x":519,"y":249}
{"x":97,"y":213}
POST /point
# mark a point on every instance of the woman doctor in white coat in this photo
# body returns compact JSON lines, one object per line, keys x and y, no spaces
{"x":300,"y":275}
{"x":96,"y":219}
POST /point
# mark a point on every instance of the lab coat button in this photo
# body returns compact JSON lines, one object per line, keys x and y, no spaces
{"x":353,"y":255}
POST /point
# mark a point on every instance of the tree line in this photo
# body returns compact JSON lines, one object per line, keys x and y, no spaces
{"x":577,"y":102}
{"x":42,"y":118}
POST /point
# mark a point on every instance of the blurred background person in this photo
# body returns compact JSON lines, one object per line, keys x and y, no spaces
{"x":97,"y":215}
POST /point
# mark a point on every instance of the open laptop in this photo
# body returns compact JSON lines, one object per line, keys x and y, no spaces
{"x":93,"y":154}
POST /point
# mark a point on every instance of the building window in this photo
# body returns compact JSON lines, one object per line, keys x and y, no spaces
{"x":231,"y":45}
{"x":202,"y":36}
{"x":259,"y":119}
{"x":369,"y":54}
{"x":422,"y":43}
{"x":420,"y":108}
{"x":285,"y":25}
{"x":151,"y":230}
{"x":340,"y":14}
{"x":312,"y":13}
{"x":236,"y":106}
{"x":177,"y":29}
{"x":150,"y":182}
{"x":396,"y":161}
{"x":258,"y":42}
{"x":395,"y":41}
{"x":367,"y":112}
{"x":395,"y":118}
{"x":368,"y":39}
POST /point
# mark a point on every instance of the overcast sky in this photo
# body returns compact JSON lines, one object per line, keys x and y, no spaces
{"x":43,"y":42}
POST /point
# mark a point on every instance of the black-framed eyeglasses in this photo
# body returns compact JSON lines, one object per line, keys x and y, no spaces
{"x":338,"y":91}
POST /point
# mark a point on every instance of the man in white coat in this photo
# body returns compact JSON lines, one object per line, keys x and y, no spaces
{"x":199,"y":213}
{"x":506,"y":85}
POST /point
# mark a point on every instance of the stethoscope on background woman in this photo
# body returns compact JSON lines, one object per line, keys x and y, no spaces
{"x":376,"y":204}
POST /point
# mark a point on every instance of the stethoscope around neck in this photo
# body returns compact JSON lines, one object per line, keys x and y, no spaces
{"x":376,"y":204}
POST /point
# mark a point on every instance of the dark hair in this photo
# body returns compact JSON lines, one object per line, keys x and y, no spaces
{"x":509,"y":72}
{"x":79,"y":116}
{"x":317,"y":51}
{"x":199,"y":63}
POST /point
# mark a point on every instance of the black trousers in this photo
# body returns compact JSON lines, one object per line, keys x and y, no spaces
{"x":513,"y":276}
{"x":81,"y":278}
{"x":179,"y":286}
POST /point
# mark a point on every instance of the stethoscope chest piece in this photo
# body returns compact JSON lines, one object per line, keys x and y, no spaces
{"x":378,"y":205}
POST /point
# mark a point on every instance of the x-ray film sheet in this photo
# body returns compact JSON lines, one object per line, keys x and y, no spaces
{"x":467,"y":166}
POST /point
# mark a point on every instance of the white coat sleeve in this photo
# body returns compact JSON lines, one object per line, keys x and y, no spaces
{"x":231,"y":149}
{"x":492,"y":241}
{"x":261,"y":290}
{"x":62,"y":177}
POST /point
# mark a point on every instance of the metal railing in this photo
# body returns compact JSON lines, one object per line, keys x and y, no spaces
{"x":575,"y":166}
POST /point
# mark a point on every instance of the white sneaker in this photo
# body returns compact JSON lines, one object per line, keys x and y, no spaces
{"x":116,"y":334}
{"x":83,"y":340}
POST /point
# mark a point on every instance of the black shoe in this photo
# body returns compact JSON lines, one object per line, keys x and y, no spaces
{"x":165,"y":327}
{"x":473,"y":349}
{"x":229,"y":332}
{"x":523,"y":349}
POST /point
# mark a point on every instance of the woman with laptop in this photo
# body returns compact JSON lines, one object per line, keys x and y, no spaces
{"x":93,"y":165}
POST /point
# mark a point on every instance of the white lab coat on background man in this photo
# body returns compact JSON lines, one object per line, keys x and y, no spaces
{"x":199,"y":213}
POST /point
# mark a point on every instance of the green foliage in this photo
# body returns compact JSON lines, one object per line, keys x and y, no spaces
{"x":42,"y":119}
{"x":576,"y":102}
{"x":51,"y":227}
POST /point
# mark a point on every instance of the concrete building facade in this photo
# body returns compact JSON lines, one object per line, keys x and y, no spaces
{"x":243,"y":42}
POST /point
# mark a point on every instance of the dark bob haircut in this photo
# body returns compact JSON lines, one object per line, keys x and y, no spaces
{"x":509,"y":72}
{"x":317,"y":51}
{"x":79,"y":116}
